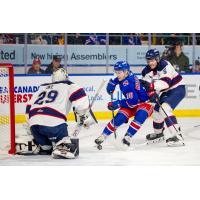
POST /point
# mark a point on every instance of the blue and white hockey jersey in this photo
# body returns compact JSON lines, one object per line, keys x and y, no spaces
{"x":132,"y":90}
{"x":52,"y":102}
{"x":164,"y":76}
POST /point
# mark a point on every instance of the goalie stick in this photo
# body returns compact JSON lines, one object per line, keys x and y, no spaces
{"x":79,"y":126}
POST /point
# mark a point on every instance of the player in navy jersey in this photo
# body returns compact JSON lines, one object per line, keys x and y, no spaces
{"x":47,"y":111}
{"x":160,"y":78}
{"x":136,"y":103}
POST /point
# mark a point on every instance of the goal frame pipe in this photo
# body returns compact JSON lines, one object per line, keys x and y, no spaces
{"x":12,"y":149}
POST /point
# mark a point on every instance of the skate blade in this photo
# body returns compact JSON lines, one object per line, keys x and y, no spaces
{"x":175,"y":144}
{"x":26,"y":153}
{"x":159,"y":140}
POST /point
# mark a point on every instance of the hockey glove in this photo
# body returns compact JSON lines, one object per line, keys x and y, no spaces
{"x":113,"y":105}
{"x":111,"y":86}
{"x":148,"y":86}
{"x":153,"y":97}
{"x":85,"y":120}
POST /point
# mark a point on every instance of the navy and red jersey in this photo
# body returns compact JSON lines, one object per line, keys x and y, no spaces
{"x":164,"y":76}
{"x":52,"y":102}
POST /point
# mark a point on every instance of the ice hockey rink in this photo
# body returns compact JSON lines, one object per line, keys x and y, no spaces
{"x":113,"y":154}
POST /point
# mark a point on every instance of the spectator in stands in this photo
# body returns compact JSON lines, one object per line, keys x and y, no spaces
{"x":197,"y":38}
{"x":78,"y":39}
{"x":115,"y":39}
{"x":39,"y":40}
{"x":156,"y":39}
{"x":133,"y":39}
{"x":47,"y":38}
{"x":55,"y":64}
{"x":197,"y":66}
{"x":173,"y":38}
{"x":55,"y":39}
{"x":101,"y":37}
{"x":178,"y":59}
{"x":61,"y":39}
{"x":19,"y":38}
{"x":8,"y":38}
{"x":36,"y":67}
{"x":1,"y":39}
{"x":93,"y":39}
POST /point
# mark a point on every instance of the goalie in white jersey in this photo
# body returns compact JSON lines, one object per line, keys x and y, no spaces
{"x":47,"y":112}
{"x":160,"y":78}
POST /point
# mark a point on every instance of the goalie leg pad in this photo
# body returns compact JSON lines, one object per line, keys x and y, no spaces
{"x":66,"y":148}
{"x":30,"y":148}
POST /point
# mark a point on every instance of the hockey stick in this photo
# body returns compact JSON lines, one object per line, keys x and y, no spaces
{"x":79,"y":126}
{"x":113,"y":116}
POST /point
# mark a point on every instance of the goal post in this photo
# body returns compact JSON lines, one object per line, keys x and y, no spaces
{"x":7,"y":109}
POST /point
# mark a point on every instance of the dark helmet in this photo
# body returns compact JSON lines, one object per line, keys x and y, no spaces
{"x":153,"y":54}
{"x":122,"y":66}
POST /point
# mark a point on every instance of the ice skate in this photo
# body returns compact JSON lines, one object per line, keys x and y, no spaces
{"x":176,"y":140}
{"x":100,"y":140}
{"x":155,"y":137}
{"x":127,"y":140}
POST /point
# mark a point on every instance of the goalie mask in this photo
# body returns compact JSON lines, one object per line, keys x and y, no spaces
{"x":59,"y":75}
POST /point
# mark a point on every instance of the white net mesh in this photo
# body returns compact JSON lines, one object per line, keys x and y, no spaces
{"x":4,"y":110}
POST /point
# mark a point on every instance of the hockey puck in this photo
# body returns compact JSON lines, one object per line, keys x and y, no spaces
{"x":99,"y":147}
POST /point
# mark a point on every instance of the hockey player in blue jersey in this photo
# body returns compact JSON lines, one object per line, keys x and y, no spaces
{"x":136,"y":103}
{"x":160,"y":78}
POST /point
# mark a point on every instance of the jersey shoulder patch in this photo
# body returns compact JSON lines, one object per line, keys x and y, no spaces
{"x":125,"y":83}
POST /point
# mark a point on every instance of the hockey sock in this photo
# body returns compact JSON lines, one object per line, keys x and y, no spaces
{"x":172,"y":124}
{"x":139,"y":119}
{"x":158,"y":122}
{"x":158,"y":126}
{"x":119,"y":119}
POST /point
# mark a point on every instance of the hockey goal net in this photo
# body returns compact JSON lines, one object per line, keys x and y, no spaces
{"x":7,"y":109}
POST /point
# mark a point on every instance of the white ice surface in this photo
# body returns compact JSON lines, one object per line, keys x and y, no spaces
{"x":111,"y":154}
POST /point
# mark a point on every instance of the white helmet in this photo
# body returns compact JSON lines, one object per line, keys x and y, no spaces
{"x":60,"y":75}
